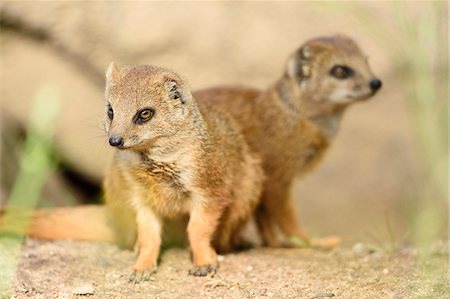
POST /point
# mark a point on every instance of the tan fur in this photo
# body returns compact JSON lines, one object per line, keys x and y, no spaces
{"x":292,"y":123}
{"x":188,"y":159}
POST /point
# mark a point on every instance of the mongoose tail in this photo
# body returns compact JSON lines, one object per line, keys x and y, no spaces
{"x":86,"y":223}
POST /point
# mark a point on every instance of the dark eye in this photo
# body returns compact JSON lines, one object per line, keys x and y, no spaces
{"x":110,"y":112}
{"x":143,"y":116}
{"x":341,"y":72}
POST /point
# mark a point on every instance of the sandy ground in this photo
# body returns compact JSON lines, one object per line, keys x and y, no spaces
{"x":67,"y":269}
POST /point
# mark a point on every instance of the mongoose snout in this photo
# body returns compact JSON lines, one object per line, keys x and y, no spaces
{"x":115,"y":140}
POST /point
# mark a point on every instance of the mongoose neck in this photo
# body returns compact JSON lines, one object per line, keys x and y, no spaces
{"x":326,"y":117}
{"x":289,"y":95}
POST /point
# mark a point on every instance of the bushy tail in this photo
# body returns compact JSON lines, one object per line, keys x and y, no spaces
{"x":83,"y":223}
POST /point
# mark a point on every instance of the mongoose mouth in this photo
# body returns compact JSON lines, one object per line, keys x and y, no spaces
{"x":143,"y":145}
{"x":123,"y":146}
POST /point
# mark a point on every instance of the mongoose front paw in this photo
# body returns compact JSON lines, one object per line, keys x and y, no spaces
{"x":140,"y":276}
{"x":202,"y":270}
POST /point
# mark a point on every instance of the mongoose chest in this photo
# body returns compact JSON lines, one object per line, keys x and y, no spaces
{"x":163,"y":186}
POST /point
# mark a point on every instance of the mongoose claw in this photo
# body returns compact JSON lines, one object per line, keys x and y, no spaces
{"x":140,"y":276}
{"x":202,"y":270}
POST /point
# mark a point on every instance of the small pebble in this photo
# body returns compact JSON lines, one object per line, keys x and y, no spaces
{"x":385,"y":271}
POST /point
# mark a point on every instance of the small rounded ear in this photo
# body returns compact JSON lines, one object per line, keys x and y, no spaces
{"x":112,"y":74}
{"x":305,"y":52}
{"x":176,"y":91}
{"x":298,"y":66}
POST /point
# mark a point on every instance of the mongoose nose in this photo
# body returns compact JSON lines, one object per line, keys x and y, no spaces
{"x":375,"y":84}
{"x":116,"y":141}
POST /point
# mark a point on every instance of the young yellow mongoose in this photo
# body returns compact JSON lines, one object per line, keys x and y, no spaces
{"x":292,"y":123}
{"x":174,"y":157}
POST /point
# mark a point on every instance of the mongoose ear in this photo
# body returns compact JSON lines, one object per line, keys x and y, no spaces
{"x":299,"y":64}
{"x":306,"y":52}
{"x":112,"y":74}
{"x":175,"y":90}
{"x":298,"y":67}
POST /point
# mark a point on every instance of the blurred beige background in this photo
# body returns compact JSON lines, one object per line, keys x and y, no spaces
{"x":364,"y":180}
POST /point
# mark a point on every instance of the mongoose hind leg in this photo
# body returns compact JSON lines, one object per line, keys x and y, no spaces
{"x":277,"y":210}
{"x":284,"y":216}
{"x":247,"y":193}
{"x":229,"y":237}
{"x":289,"y":225}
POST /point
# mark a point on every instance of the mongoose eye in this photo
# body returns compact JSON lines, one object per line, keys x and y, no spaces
{"x":110,"y":112}
{"x":143,"y":116}
{"x":341,"y":72}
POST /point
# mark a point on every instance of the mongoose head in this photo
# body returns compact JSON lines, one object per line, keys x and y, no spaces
{"x":332,"y":71}
{"x":144,"y":105}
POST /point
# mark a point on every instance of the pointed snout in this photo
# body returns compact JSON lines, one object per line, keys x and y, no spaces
{"x":116,"y":141}
{"x":375,"y":84}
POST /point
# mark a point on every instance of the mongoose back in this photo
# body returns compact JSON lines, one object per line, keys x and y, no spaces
{"x":174,"y":157}
{"x":292,"y":123}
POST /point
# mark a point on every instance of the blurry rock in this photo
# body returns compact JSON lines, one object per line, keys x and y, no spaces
{"x":363,"y":250}
{"x":78,"y":136}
